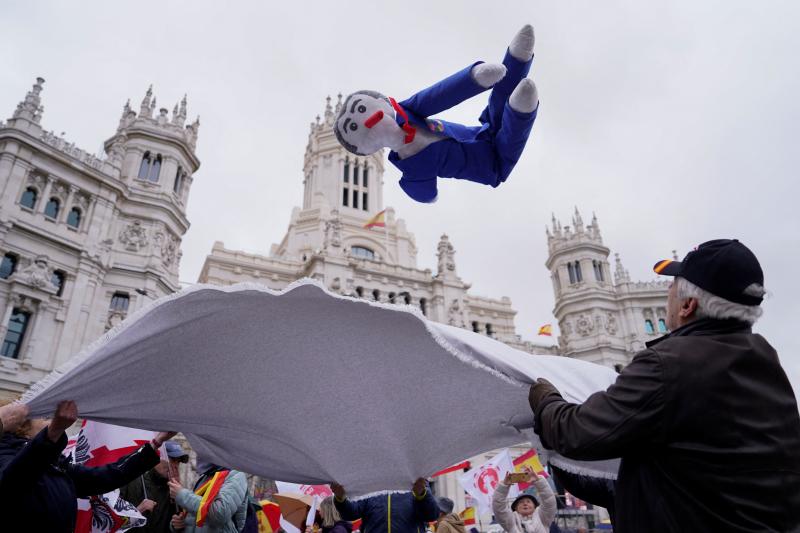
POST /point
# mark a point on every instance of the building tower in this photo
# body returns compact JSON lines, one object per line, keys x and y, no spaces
{"x":85,"y":239}
{"x":601,"y":321}
{"x":156,"y":159}
{"x":586,"y":307}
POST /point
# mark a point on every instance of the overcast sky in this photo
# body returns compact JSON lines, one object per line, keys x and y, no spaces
{"x":675,"y":122}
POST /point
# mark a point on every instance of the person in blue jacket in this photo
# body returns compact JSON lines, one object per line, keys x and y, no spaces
{"x":404,"y":512}
{"x":426,"y":148}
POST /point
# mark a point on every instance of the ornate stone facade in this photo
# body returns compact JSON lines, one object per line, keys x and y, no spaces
{"x":327,"y":240}
{"x":601,"y":320}
{"x":86,"y":239}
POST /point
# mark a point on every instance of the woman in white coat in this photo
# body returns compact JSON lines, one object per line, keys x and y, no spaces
{"x":525,"y":515}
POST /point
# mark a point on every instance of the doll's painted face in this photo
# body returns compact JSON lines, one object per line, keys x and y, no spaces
{"x":366,"y":123}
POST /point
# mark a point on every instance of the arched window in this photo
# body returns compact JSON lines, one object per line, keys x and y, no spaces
{"x":176,"y":187}
{"x":17,"y":325}
{"x":155,"y":170}
{"x":360,"y":251}
{"x":29,"y":198}
{"x":74,"y":217}
{"x":346,"y":175}
{"x":489,"y":330}
{"x":662,"y":325}
{"x":618,"y":368}
{"x":376,"y":295}
{"x":392,"y":297}
{"x":144,"y":166}
{"x":365,"y":177}
{"x":355,"y":173}
{"x":355,"y":199}
{"x":52,"y":208}
{"x":476,"y":327}
{"x":648,"y":326}
{"x":360,"y":292}
{"x":8,"y":266}
{"x":423,"y":306}
{"x":120,"y":302}
{"x":571,"y":272}
{"x":58,"y":281}
{"x":598,"y":270}
{"x":407,"y":298}
{"x":364,"y":205}
{"x":578,"y":275}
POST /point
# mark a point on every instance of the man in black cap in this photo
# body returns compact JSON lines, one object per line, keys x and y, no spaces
{"x":704,"y":418}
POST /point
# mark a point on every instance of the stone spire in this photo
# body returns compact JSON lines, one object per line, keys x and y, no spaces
{"x":620,"y":274}
{"x":179,"y":113}
{"x":446,"y":255}
{"x":338,"y":104}
{"x":577,"y":221}
{"x":31,"y":107}
{"x":328,"y":111}
{"x":146,"y":109}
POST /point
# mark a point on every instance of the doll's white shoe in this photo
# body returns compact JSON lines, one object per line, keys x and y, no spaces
{"x":525,"y":97}
{"x":521,"y":46}
{"x":487,"y":74}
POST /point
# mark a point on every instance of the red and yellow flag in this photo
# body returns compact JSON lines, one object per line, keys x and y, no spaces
{"x":378,"y":220}
{"x":269,"y":517}
{"x":207,"y":492}
{"x":547,"y":329}
{"x":530,"y":459}
{"x":468,"y":516}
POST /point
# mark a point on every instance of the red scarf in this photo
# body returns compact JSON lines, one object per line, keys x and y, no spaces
{"x":410,"y":130}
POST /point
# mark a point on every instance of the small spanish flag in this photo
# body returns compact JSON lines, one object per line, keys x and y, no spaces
{"x":530,"y":459}
{"x":207,"y":492}
{"x":547,"y":329}
{"x":468,"y":516}
{"x":269,"y":517}
{"x":378,"y":220}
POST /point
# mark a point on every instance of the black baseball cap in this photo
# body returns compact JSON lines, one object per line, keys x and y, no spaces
{"x":723,"y":267}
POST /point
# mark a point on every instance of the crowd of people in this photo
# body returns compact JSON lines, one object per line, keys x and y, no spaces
{"x":704,"y":420}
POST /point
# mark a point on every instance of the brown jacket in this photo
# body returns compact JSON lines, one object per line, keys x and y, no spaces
{"x":706,"y":424}
{"x":451,"y":523}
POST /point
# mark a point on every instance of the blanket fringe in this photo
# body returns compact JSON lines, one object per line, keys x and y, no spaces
{"x":581,"y":469}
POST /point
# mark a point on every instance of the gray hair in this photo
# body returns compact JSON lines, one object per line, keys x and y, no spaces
{"x":712,"y":306}
{"x":327,"y":510}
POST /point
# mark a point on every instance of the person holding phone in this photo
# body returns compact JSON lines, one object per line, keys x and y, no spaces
{"x":525,"y":514}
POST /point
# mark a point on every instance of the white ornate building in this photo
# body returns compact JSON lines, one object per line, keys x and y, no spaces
{"x":84,"y":239}
{"x":327,"y":240}
{"x":600,"y":321}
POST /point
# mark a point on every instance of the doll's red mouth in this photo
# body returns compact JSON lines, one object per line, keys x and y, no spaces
{"x":374,"y":119}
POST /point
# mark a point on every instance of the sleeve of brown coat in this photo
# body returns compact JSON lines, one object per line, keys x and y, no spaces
{"x":608,"y":424}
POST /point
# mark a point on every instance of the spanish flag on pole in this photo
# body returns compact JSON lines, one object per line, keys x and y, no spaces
{"x":468,"y":516}
{"x":547,"y":330}
{"x":530,"y":459}
{"x":378,"y":220}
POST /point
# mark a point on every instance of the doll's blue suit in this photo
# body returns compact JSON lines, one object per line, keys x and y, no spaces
{"x":484,"y":154}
